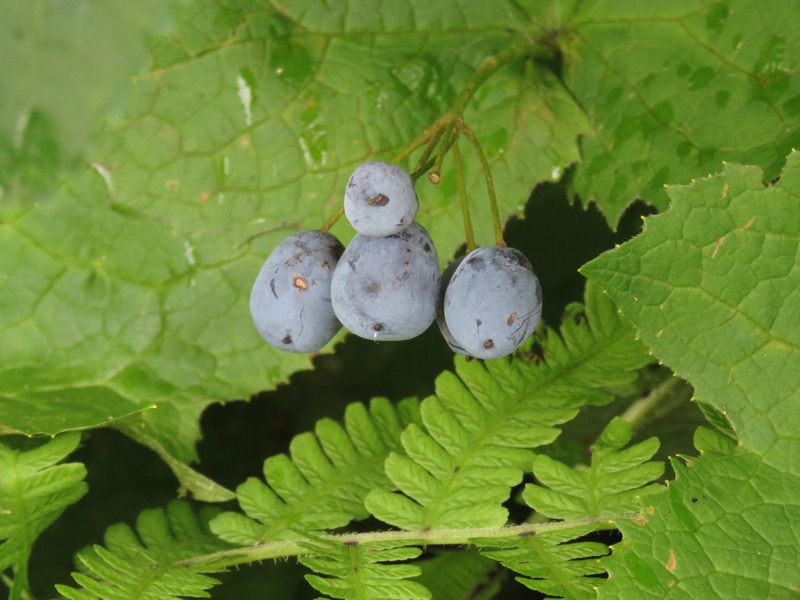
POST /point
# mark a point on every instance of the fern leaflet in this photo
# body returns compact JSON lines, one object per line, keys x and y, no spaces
{"x":617,"y":477}
{"x":611,"y":485}
{"x":146,"y":564}
{"x":549,"y":563}
{"x":34,"y":491}
{"x":477,"y":431}
{"x":323,"y":484}
{"x":353,"y":570}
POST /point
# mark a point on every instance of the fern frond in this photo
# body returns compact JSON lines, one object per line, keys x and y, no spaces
{"x":359,"y":571}
{"x":34,"y":491}
{"x":322,"y":484}
{"x":612,"y":484}
{"x":477,"y":431}
{"x":550,"y":564}
{"x":146,"y":564}
{"x":461,"y":573}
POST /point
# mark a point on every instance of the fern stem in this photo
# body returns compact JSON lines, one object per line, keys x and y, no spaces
{"x":661,"y":400}
{"x":433,"y":537}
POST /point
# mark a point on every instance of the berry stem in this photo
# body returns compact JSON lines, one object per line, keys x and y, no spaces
{"x":487,"y":174}
{"x":422,"y":169}
{"x":331,"y":221}
{"x":430,"y":146}
{"x":462,"y":194}
{"x":427,"y":138}
{"x":448,"y":138}
{"x":443,"y":131}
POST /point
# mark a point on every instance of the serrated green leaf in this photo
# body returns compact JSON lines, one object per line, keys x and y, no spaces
{"x":133,"y":279}
{"x":673,"y":89}
{"x":612,"y":484}
{"x":148,"y":563}
{"x":34,"y":491}
{"x":711,"y":440}
{"x":726,"y":526}
{"x":711,"y":285}
{"x":322,"y":483}
{"x":722,"y":264}
{"x":477,"y":432}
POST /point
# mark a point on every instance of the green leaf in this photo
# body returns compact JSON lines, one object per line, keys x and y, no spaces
{"x":323,"y":483}
{"x":34,"y":491}
{"x":726,"y":526}
{"x":612,"y":484}
{"x":359,"y":571}
{"x":672,"y":89}
{"x":150,"y":563}
{"x":743,"y":354}
{"x":67,"y":409}
{"x":711,"y":285}
{"x":552,"y":562}
{"x":64,"y":65}
{"x":132,"y":280}
{"x":477,"y":431}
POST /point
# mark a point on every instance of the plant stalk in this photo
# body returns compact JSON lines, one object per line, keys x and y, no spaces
{"x":662,"y":399}
{"x":440,"y":537}
{"x":463,"y":198}
{"x":487,"y":174}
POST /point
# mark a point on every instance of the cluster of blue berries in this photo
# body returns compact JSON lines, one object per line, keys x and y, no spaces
{"x":386,"y":284}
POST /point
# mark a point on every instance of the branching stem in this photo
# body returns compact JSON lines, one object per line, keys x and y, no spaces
{"x":446,"y":129}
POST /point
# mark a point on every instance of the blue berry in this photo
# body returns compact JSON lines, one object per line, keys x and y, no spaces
{"x":291,"y":299}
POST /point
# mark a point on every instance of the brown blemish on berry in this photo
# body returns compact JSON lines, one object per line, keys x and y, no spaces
{"x":377,"y":327}
{"x":299,"y":283}
{"x":287,"y":339}
{"x":488,"y":344}
{"x":511,"y":318}
{"x":379,"y":200}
